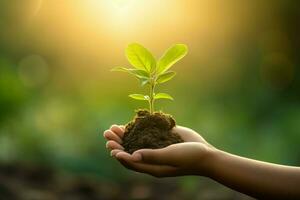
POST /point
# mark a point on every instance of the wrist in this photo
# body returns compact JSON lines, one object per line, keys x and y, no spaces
{"x":209,"y":162}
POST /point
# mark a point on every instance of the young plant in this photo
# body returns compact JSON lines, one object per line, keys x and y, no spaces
{"x":151,"y":72}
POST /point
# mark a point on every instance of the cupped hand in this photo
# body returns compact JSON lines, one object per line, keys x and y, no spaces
{"x":192,"y":157}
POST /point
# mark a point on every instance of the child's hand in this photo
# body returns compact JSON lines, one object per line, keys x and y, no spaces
{"x":187,"y":158}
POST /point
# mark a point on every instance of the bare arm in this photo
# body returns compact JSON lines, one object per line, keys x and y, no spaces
{"x":197,"y":157}
{"x":255,"y":178}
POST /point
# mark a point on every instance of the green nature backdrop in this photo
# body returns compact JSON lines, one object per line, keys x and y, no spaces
{"x":238,"y":86}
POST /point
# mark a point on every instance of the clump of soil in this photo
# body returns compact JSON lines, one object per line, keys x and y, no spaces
{"x":151,"y":131}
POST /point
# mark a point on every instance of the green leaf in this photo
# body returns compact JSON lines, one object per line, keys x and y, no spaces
{"x":165,"y":77}
{"x":144,"y":81}
{"x":163,"y":96}
{"x":140,"y":57}
{"x":120,"y":69}
{"x":132,"y":71}
{"x":139,"y":97}
{"x":140,"y":74}
{"x":171,"y":56}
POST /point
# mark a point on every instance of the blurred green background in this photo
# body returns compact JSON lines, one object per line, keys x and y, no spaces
{"x":238,"y":86}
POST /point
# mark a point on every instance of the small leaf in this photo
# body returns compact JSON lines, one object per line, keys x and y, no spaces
{"x":165,"y":77}
{"x":139,"y":97}
{"x":132,"y":71}
{"x":171,"y":56}
{"x":144,"y":81}
{"x":140,"y":74}
{"x":163,"y":96}
{"x":140,"y":57}
{"x":120,"y":69}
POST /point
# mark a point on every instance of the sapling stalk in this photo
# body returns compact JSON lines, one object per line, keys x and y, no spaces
{"x":151,"y":72}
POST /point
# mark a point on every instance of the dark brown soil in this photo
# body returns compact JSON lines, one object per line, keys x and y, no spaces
{"x":152,"y":131}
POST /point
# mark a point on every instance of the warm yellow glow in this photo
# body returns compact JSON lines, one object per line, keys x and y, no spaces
{"x":93,"y":33}
{"x":131,"y":16}
{"x":110,"y":9}
{"x":37,"y":8}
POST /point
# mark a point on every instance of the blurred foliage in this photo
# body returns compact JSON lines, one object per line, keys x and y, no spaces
{"x":239,"y":86}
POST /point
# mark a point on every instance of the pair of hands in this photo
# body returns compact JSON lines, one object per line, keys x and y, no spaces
{"x":192,"y":157}
{"x":197,"y":157}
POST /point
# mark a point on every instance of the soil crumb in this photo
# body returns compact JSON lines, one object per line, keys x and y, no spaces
{"x":151,"y":131}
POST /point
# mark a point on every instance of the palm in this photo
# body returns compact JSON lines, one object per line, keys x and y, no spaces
{"x":188,"y":135}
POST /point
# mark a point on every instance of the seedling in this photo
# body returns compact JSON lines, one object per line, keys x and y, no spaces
{"x":151,"y":72}
{"x":151,"y":129}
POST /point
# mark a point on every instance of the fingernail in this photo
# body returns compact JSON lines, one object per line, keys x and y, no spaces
{"x":137,"y":156}
{"x":107,"y":145}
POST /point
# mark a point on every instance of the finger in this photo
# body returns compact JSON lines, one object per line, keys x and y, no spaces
{"x":109,"y":135}
{"x":114,"y":152}
{"x":111,"y":144}
{"x":154,"y":170}
{"x":125,"y":163}
{"x":122,"y":127}
{"x":118,"y":130}
{"x":155,"y":156}
{"x":124,"y":158}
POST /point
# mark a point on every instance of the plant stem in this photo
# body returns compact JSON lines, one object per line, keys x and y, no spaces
{"x":151,"y":97}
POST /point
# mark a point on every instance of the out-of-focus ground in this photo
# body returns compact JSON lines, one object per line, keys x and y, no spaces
{"x":35,"y":183}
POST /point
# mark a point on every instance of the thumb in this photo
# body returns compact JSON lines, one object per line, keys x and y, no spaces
{"x":153,"y":156}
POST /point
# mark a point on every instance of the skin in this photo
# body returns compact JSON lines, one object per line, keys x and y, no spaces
{"x":195,"y":156}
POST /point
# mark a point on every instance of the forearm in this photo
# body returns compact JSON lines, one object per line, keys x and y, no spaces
{"x":258,"y":179}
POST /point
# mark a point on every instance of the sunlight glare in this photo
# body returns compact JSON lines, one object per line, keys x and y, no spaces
{"x":121,"y":3}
